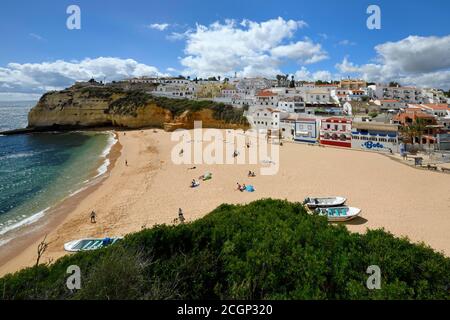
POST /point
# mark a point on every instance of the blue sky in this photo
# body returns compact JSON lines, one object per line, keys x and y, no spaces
{"x":327,"y":34}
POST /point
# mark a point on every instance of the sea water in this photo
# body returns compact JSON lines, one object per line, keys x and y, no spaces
{"x":38,"y":170}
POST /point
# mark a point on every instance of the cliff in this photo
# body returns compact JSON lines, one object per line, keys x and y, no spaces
{"x":106,"y":106}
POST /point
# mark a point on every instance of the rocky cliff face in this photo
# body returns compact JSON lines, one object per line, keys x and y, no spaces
{"x":105,"y":106}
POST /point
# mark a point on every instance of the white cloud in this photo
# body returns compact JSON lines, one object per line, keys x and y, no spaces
{"x":249,"y":48}
{"x":41,"y":77}
{"x":421,"y":61}
{"x":305,"y":52}
{"x":159,"y":26}
{"x":174,"y":36}
{"x":346,"y":43}
{"x":36,"y":36}
{"x":305,"y":75}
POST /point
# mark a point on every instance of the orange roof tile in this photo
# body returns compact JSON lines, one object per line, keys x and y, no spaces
{"x":266,"y":94}
{"x":437,"y":106}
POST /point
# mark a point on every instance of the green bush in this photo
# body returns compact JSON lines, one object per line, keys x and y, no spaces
{"x":268,"y":249}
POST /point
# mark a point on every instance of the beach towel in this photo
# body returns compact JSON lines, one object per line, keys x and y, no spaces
{"x":249,"y":188}
{"x":207,"y":176}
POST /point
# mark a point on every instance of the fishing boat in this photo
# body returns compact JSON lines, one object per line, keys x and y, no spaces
{"x":338,"y":214}
{"x":324,"y":202}
{"x":89,"y":244}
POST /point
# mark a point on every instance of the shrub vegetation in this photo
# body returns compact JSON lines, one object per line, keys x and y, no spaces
{"x":268,"y":249}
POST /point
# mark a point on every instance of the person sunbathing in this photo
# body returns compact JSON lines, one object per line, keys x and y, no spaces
{"x":239,"y":187}
{"x":243,"y":187}
{"x":251,"y":174}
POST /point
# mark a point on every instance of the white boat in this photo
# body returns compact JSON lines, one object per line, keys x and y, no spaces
{"x":339,"y":214}
{"x":89,"y":244}
{"x":324,"y":202}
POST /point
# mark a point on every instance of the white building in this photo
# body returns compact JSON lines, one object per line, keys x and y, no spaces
{"x":266,"y":98}
{"x":291,"y":105}
{"x":266,"y":118}
{"x":375,"y":136}
{"x":390,"y":104}
{"x":317,"y":96}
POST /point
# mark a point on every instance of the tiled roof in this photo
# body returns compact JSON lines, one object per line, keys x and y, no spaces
{"x":266,"y":94}
{"x":437,"y":106}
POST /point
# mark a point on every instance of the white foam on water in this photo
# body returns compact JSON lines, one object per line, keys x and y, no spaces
{"x":18,"y":155}
{"x":31,"y":219}
{"x":104,"y":167}
{"x":12,"y":225}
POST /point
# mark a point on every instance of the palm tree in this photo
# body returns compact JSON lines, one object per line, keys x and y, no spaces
{"x":420,"y":129}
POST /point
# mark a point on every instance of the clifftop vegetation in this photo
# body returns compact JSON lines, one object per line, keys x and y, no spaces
{"x":117,"y":101}
{"x":269,"y":249}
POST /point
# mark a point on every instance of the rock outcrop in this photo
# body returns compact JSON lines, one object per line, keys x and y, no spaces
{"x":103,"y":106}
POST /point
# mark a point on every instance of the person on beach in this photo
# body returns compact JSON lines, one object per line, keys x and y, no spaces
{"x":93,"y":215}
{"x":126,"y":163}
{"x":180,"y":215}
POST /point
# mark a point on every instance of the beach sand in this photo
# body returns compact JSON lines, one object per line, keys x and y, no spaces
{"x":403,"y":200}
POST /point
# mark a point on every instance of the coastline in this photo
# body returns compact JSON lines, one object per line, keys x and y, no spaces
{"x":151,"y":188}
{"x":29,"y":234}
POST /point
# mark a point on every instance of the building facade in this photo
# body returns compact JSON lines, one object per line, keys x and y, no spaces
{"x":336,"y":132}
{"x":307,"y":130}
{"x":374,"y":136}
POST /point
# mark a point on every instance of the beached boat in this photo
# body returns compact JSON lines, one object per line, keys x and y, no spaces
{"x":89,"y":244}
{"x":338,"y":214}
{"x":324,"y":202}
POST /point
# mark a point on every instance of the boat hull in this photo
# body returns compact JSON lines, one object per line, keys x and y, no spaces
{"x":313,"y":203}
{"x":340,"y":214}
{"x":88,"y":244}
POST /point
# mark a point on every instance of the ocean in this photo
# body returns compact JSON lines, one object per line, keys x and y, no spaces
{"x":39,"y":170}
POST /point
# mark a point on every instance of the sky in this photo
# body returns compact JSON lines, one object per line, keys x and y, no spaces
{"x":312,"y":40}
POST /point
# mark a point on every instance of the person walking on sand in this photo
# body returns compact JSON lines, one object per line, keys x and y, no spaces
{"x":93,"y":215}
{"x":126,"y":163}
{"x":180,"y":215}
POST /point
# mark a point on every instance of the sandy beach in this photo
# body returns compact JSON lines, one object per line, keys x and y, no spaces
{"x":401,"y":199}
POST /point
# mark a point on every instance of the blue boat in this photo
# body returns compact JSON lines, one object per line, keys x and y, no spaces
{"x":89,"y":244}
{"x":338,"y":214}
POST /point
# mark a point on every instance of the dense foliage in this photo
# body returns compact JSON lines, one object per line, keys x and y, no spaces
{"x":133,"y":100}
{"x":269,"y":249}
